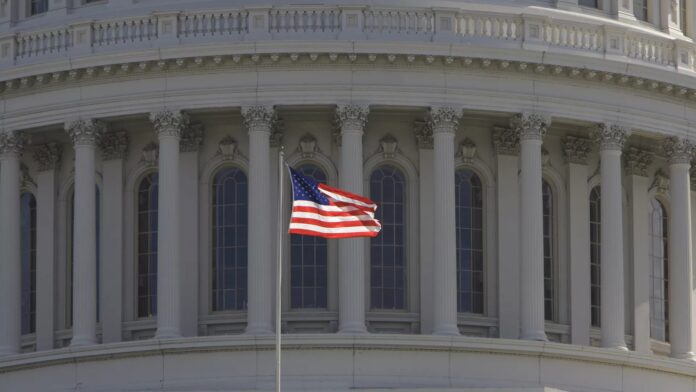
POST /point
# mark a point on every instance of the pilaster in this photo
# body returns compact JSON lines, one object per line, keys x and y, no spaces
{"x":424,"y":140}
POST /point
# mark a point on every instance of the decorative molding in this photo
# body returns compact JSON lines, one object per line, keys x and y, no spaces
{"x":660,"y":182}
{"x":227,"y":147}
{"x":424,"y":134}
{"x":12,"y":143}
{"x":191,"y":138}
{"x":48,"y":156}
{"x":678,"y":150}
{"x":352,"y":116}
{"x":530,"y":126}
{"x":114,"y":145}
{"x":444,"y":119}
{"x":85,"y":132}
{"x":637,"y":161}
{"x":169,"y":123}
{"x":388,"y":146}
{"x":610,"y":136}
{"x":466,"y":150}
{"x":506,"y":141}
{"x":27,"y":182}
{"x":307,"y":146}
{"x":150,"y":154}
{"x":277,"y":133}
{"x":576,"y":149}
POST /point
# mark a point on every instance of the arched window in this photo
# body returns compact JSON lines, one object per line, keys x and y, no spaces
{"x":28,"y":255}
{"x":308,"y":260}
{"x":659,"y":275}
{"x":147,"y":245}
{"x":387,"y":256}
{"x":469,"y":226}
{"x":230,"y":234}
{"x":549,"y":265}
{"x":595,"y":244}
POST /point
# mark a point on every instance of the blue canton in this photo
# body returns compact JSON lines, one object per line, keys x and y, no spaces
{"x":304,"y":188}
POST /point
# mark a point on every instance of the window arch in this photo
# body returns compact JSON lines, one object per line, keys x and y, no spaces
{"x":28,"y":256}
{"x":595,"y":247}
{"x":387,"y":251}
{"x":549,"y":259}
{"x":659,"y":275}
{"x":147,"y":206}
{"x":469,"y":227}
{"x":309,"y":260}
{"x":230,"y":239}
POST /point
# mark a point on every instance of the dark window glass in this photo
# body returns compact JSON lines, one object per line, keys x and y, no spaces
{"x":28,"y":255}
{"x":230,"y":232}
{"x":682,"y":16}
{"x":589,"y":3}
{"x":640,"y":9}
{"x":659,"y":274}
{"x":595,"y":244}
{"x":549,"y":265}
{"x":387,"y":250}
{"x":308,"y":260}
{"x":38,"y":6}
{"x":147,"y":245}
{"x":469,"y":227}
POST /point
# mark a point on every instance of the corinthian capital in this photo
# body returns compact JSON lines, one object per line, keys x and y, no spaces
{"x":424,"y":134}
{"x":444,"y":119}
{"x":85,"y":132}
{"x":259,"y":117}
{"x":191,"y":138}
{"x":169,"y":123}
{"x":637,"y":161}
{"x":610,"y":136}
{"x":352,"y":116}
{"x":48,"y":156}
{"x":678,"y":150}
{"x":114,"y":145}
{"x":11,"y":143}
{"x":530,"y":126}
{"x":506,"y":141}
{"x":576,"y":149}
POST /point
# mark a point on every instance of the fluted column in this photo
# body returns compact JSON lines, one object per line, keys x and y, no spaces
{"x":531,"y":129}
{"x":680,"y":269}
{"x":84,"y":134}
{"x":11,"y":145}
{"x":168,"y":126}
{"x":259,"y":122}
{"x":444,"y":123}
{"x":351,"y":251}
{"x":611,"y":139}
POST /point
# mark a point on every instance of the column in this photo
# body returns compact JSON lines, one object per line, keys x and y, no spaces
{"x":48,"y":157}
{"x":622,"y":9}
{"x":669,"y":12}
{"x":259,"y":122}
{"x":84,"y":134}
{"x":191,"y":140}
{"x":444,"y":122}
{"x":351,"y":251}
{"x":576,"y":150}
{"x":424,"y":139}
{"x":680,"y":152}
{"x":168,"y":126}
{"x":637,"y":162}
{"x":611,"y":139}
{"x":11,"y":145}
{"x":114,"y":147}
{"x":507,"y":149}
{"x":531,"y":128}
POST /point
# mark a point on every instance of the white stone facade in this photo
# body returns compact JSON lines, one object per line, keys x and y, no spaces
{"x":538,"y":156}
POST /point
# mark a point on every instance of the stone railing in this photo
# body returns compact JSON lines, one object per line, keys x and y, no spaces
{"x":457,"y":26}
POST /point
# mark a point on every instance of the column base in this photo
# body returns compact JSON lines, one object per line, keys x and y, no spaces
{"x":167,"y":333}
{"x":688,"y":356}
{"x":616,"y":345}
{"x":539,"y":336}
{"x":355,"y":327}
{"x":446,"y":330}
{"x":79,"y":341}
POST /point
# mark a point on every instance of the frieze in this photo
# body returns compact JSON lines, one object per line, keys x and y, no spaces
{"x":576,"y":149}
{"x":637,"y":161}
{"x":424,"y":134}
{"x":191,"y":138}
{"x":48,"y":156}
{"x":506,"y":141}
{"x":114,"y":145}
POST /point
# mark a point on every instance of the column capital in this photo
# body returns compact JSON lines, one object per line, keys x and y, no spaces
{"x":259,"y":118}
{"x":444,"y":119}
{"x":48,"y":156}
{"x":424,"y":134}
{"x":352,"y":116}
{"x":610,"y":136}
{"x":169,"y":122}
{"x":576,"y":149}
{"x":506,"y":141}
{"x":114,"y":145}
{"x":679,"y":150}
{"x":637,"y":161}
{"x":530,"y":126}
{"x":85,"y":132}
{"x":11,"y":143}
{"x":192,"y":138}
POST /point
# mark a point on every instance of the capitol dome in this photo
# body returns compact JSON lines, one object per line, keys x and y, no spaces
{"x":530,"y":159}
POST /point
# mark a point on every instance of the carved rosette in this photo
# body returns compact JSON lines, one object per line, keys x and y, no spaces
{"x":191,"y":138}
{"x":444,"y":119}
{"x":11,"y":143}
{"x":424,"y":134}
{"x":678,"y":150}
{"x":48,"y":156}
{"x":610,"y":136}
{"x":85,"y":132}
{"x":576,"y":149}
{"x":637,"y":161}
{"x":506,"y":141}
{"x":169,"y":123}
{"x":530,"y":126}
{"x":259,"y":118}
{"x":114,"y":145}
{"x":352,"y":116}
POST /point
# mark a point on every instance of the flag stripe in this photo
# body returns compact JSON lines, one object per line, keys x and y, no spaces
{"x":344,"y":230}
{"x":321,"y":223}
{"x":308,"y":206}
{"x":341,"y":196}
{"x":332,"y":218}
{"x":332,"y":235}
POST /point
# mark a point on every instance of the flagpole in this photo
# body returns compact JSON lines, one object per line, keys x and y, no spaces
{"x":279,"y":266}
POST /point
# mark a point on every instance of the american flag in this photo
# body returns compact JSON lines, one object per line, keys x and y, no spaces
{"x":322,"y":211}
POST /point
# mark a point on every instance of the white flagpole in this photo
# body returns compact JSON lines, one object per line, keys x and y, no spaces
{"x":279,"y":266}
